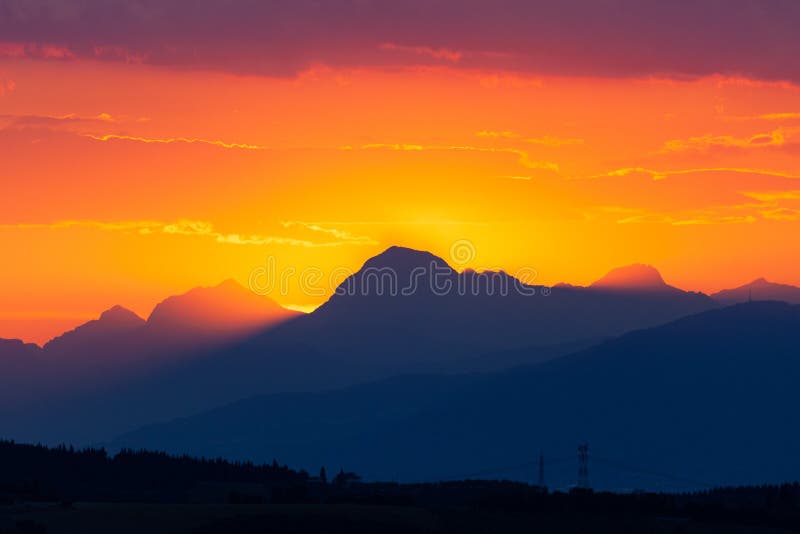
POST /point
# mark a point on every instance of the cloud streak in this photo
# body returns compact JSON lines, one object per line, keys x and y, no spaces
{"x":439,"y":53}
{"x":555,"y":142}
{"x":341,"y":235}
{"x":776,"y":138}
{"x":661,"y":175}
{"x":687,"y":220}
{"x":777,"y":205}
{"x":772,"y":196}
{"x":55,"y":122}
{"x":522,"y":157}
{"x":174,"y":140}
{"x":204,"y":229}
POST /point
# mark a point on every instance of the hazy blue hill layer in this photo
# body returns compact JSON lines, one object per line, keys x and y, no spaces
{"x":709,"y":398}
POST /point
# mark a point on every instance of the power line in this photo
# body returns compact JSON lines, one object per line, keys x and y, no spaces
{"x":631,"y":469}
{"x":507,"y":468}
{"x":583,"y":469}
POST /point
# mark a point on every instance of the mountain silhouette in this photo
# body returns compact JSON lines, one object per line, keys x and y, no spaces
{"x":404,"y":311}
{"x":199,"y":319}
{"x":759,"y":289}
{"x":120,"y":347}
{"x":411,"y":306}
{"x":706,"y":399}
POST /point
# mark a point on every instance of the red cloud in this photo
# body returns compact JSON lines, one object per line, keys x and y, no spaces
{"x":755,"y":39}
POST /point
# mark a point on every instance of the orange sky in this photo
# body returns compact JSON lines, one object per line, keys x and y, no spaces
{"x":124,"y":183}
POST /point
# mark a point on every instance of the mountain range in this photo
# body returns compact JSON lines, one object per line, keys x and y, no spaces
{"x":405,"y":312}
{"x":119,"y":345}
{"x":449,"y":315}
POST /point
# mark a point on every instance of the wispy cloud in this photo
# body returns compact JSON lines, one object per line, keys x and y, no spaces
{"x":522,"y":156}
{"x":415,"y":222}
{"x":172,"y":140}
{"x":18,"y":49}
{"x":512,"y":177}
{"x":551,"y":141}
{"x":544,"y":140}
{"x":771,"y":196}
{"x":495,"y":134}
{"x":69,"y":121}
{"x":780,"y":116}
{"x":782,"y":214}
{"x":687,"y":219}
{"x":777,"y":205}
{"x":189,"y":227}
{"x":335,"y":232}
{"x":660,"y":175}
{"x":387,"y":146}
{"x":436,"y":53}
{"x":87,"y":126}
{"x":143,"y":226}
{"x":774,"y":117}
{"x":708,"y":141}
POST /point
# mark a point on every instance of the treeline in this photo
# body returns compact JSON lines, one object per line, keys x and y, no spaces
{"x":38,"y":472}
{"x":758,"y":496}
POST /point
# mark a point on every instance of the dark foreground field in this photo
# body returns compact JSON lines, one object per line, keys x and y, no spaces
{"x":131,"y":518}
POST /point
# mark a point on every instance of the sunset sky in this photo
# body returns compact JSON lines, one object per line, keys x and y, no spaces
{"x":147,"y":147}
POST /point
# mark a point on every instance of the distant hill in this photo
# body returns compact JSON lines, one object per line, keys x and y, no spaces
{"x":707,"y":399}
{"x":759,"y":289}
{"x":119,"y":346}
{"x":199,"y":319}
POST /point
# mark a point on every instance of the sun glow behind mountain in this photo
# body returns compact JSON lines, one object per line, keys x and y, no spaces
{"x":152,"y":170}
